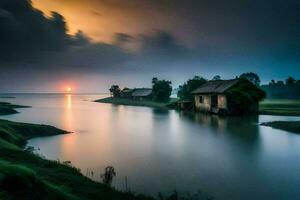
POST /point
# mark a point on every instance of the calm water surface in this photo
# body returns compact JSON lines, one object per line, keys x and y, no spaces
{"x":159,"y":151}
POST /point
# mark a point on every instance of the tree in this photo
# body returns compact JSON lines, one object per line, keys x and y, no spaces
{"x":216,"y":78}
{"x":161,"y":90}
{"x":272,"y":82}
{"x":184,"y":92}
{"x":252,"y":77}
{"x":280,"y":83}
{"x":290,"y":81}
{"x":109,"y":174}
{"x":241,"y":96}
{"x":115,"y":91}
{"x":154,"y":80}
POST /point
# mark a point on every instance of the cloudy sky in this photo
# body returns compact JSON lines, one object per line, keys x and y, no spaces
{"x":46,"y":45}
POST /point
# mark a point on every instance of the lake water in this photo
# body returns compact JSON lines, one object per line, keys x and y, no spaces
{"x":160,"y":151}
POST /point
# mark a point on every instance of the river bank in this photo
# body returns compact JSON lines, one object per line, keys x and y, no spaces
{"x":25,"y":175}
{"x":284,"y":107}
{"x":142,"y":143}
{"x":293,"y":126}
{"x":146,"y":103}
{"x":8,"y":108}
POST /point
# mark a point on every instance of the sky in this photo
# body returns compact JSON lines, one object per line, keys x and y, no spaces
{"x":48,"y":45}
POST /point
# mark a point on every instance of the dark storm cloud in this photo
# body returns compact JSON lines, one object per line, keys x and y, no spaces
{"x":30,"y":40}
{"x":121,"y":38}
{"x":25,"y":31}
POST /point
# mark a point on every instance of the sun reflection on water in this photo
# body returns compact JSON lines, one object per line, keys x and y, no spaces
{"x":68,"y":113}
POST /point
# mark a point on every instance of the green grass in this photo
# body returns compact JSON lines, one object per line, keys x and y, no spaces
{"x":285,"y":125}
{"x":7,"y":108}
{"x":24,"y":175}
{"x":129,"y":102}
{"x":287,"y":107}
{"x":17,"y":133}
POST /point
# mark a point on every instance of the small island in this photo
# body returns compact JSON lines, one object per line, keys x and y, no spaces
{"x":290,"y":126}
{"x":156,"y":97}
{"x":8,"y":108}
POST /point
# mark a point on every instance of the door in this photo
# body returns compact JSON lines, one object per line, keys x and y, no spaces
{"x":214,"y":101}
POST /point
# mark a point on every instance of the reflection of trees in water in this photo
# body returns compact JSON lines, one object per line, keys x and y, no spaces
{"x":243,"y":128}
{"x":160,"y":111}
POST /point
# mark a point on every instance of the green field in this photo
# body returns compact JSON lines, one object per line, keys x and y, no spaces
{"x":285,"y":125}
{"x":288,"y":107}
{"x":129,"y":102}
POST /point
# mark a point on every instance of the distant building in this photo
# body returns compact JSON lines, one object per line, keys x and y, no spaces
{"x":126,"y":93}
{"x":236,"y":96}
{"x":142,"y":94}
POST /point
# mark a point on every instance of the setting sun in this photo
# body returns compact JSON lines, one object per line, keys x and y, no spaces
{"x":69,"y":89}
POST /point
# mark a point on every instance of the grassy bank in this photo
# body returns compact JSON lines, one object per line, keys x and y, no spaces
{"x":24,"y":175}
{"x":288,"y":107}
{"x":285,"y":125}
{"x":7,"y":108}
{"x":280,"y":107}
{"x":129,"y":102}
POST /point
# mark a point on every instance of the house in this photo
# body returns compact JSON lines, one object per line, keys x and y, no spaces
{"x":232,"y":97}
{"x":142,"y":94}
{"x":126,"y":93}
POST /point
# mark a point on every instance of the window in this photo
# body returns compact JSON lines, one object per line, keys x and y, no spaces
{"x":201,"y":99}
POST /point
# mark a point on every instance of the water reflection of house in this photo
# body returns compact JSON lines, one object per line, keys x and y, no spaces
{"x":142,"y":94}
{"x":214,"y":97}
{"x":244,"y":128}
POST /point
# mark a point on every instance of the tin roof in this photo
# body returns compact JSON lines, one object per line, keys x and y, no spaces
{"x":219,"y":86}
{"x":141,"y":92}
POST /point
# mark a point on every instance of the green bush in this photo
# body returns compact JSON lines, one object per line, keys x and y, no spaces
{"x":244,"y":97}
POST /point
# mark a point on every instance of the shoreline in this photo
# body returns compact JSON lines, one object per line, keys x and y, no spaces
{"x":8,"y":108}
{"x":267,"y":107}
{"x":142,"y":103}
{"x":25,"y":174}
{"x":289,"y":126}
{"x":39,"y":176}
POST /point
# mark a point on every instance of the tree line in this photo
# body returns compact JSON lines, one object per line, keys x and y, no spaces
{"x":283,"y":89}
{"x":162,"y":89}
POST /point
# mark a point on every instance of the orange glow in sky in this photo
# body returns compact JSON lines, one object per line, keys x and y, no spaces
{"x":69,"y":89}
{"x":86,"y":17}
{"x":100,"y":20}
{"x":66,"y":86}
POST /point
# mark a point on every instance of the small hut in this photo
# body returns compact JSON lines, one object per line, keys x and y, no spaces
{"x":232,"y":97}
{"x":126,"y":93}
{"x":142,"y":94}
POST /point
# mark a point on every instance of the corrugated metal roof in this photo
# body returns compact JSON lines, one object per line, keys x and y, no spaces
{"x":127,"y":90}
{"x":219,"y":86}
{"x":141,"y":92}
